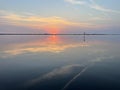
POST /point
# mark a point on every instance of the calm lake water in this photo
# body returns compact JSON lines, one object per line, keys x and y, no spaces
{"x":60,"y":62}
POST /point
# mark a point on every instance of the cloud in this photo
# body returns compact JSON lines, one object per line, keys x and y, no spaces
{"x":38,"y":21}
{"x":77,"y":1}
{"x":92,"y":4}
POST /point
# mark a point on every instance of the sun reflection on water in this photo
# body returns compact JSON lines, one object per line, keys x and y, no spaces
{"x":51,"y":44}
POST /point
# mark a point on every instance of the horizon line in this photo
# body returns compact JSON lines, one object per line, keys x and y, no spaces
{"x":56,"y":34}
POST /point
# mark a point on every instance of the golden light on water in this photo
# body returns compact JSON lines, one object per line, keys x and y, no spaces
{"x":51,"y":44}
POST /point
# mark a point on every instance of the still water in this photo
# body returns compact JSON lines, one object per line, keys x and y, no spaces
{"x":60,"y":62}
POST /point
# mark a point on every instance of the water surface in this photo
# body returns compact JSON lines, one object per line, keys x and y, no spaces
{"x":60,"y":62}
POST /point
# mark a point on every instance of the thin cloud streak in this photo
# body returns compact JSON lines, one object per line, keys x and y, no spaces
{"x":76,"y":1}
{"x":40,"y":22}
{"x":92,"y":4}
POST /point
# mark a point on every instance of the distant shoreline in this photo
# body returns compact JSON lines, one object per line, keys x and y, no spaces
{"x":51,"y":34}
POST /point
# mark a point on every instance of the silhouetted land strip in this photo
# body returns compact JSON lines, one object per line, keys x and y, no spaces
{"x":51,"y":34}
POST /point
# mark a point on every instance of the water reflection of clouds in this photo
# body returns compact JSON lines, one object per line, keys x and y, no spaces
{"x":56,"y":73}
{"x":76,"y":69}
{"x":52,"y":44}
{"x":77,"y":55}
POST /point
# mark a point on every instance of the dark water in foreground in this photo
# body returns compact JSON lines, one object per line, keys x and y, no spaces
{"x":60,"y":62}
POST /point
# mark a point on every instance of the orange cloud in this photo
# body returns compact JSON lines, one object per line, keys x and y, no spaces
{"x":43,"y":22}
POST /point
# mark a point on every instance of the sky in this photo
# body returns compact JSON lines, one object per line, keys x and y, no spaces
{"x":59,"y":16}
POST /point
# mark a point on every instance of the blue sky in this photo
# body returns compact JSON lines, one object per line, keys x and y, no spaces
{"x":61,"y":15}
